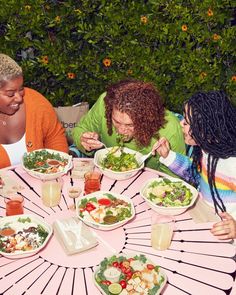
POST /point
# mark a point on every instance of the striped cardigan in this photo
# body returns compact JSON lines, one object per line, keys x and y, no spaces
{"x":225,"y":177}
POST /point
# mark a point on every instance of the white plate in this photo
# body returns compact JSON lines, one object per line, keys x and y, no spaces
{"x":168,"y":210}
{"x":99,"y":195}
{"x":161,"y":273}
{"x":13,"y":222}
{"x":44,"y":176}
{"x":101,"y":154}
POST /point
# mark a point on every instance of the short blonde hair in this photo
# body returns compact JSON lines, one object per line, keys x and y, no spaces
{"x":9,"y":69}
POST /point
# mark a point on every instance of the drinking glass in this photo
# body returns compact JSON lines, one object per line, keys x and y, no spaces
{"x":162,"y":231}
{"x":92,"y":182}
{"x":14,"y":205}
{"x":51,"y":192}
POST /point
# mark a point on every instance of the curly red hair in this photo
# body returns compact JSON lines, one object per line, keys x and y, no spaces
{"x":142,"y":103}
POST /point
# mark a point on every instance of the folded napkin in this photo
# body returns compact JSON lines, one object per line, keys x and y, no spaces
{"x":8,"y":185}
{"x":74,"y":235}
{"x":201,"y":212}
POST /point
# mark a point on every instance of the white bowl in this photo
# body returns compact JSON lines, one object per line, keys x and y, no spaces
{"x":44,"y":176}
{"x":141,"y":266}
{"x":14,"y":223}
{"x":101,"y":154}
{"x":99,"y":195}
{"x":168,"y":210}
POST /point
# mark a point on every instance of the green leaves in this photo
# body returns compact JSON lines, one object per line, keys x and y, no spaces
{"x":181,"y":46}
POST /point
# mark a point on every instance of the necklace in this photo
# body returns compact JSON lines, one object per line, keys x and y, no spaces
{"x":4,"y":122}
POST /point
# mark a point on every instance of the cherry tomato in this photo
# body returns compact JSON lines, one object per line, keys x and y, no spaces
{"x":123,"y":269}
{"x":104,"y":202}
{"x":39,"y":163}
{"x":115,"y":264}
{"x":150,"y":266}
{"x":131,"y":259}
{"x":90,"y":207}
{"x":127,"y":270}
{"x":123,"y":284}
{"x":129,"y":275}
{"x":106,"y":283}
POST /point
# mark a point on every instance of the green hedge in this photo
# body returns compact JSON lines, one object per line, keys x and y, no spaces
{"x":71,"y":50}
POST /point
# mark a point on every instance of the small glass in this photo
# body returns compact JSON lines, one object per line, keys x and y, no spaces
{"x":92,"y":182}
{"x":14,"y":205}
{"x":162,"y":231}
{"x":51,"y":192}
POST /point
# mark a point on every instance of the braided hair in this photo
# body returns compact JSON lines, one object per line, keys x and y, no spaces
{"x":212,"y":120}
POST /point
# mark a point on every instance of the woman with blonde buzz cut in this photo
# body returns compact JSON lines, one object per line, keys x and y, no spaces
{"x":27,"y":119}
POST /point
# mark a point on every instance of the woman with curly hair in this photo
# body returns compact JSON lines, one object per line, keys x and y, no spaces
{"x":134,"y":110}
{"x":209,"y":126}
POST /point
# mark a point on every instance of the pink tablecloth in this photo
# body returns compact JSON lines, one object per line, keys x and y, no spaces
{"x":196,"y":263}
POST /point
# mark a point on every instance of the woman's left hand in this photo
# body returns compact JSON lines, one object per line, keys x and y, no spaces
{"x":225,"y":229}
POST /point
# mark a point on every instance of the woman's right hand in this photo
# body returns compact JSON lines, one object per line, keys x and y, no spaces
{"x":162,"y":147}
{"x":89,"y":140}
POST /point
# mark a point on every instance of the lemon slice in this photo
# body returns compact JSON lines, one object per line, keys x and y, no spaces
{"x":115,"y":288}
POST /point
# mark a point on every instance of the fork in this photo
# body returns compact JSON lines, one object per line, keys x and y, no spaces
{"x":75,"y":228}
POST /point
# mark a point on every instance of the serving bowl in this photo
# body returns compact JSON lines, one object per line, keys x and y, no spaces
{"x":154,"y":187}
{"x":95,"y":210}
{"x":100,"y":155}
{"x":129,"y":271}
{"x":19,"y":232}
{"x":46,"y":158}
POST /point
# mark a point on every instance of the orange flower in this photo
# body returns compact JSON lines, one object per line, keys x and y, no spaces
{"x":106,"y":62}
{"x":184,"y":28}
{"x":216,"y":37}
{"x":27,"y":7}
{"x":203,"y":75}
{"x":144,"y":19}
{"x":44,"y":59}
{"x":129,"y":72}
{"x":71,"y":75}
{"x":58,"y":19}
{"x":233,"y":78}
{"x":209,"y":12}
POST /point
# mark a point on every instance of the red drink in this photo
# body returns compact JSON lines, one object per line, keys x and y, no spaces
{"x":92,"y":182}
{"x":14,"y":205}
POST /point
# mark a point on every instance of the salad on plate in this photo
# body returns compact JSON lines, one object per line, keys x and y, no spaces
{"x":129,"y":274}
{"x":105,"y":209}
{"x":119,"y":160}
{"x":167,"y":193}
{"x":46,"y":162}
{"x":22,"y":234}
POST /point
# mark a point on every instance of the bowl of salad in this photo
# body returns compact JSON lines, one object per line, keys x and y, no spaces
{"x":23,"y":235}
{"x":105,"y":210}
{"x":169,"y":196}
{"x":129,"y":274}
{"x":46,"y":164}
{"x":118,"y":163}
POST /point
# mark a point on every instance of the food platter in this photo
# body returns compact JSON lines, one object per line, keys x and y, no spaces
{"x":169,"y":195}
{"x":23,"y":235}
{"x":129,"y":274}
{"x":46,"y":164}
{"x":132,"y":156}
{"x":105,"y":210}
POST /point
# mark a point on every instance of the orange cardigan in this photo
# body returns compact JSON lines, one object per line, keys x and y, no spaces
{"x":42,"y":130}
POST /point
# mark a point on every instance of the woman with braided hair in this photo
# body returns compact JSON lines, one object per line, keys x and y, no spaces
{"x":209,"y":126}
